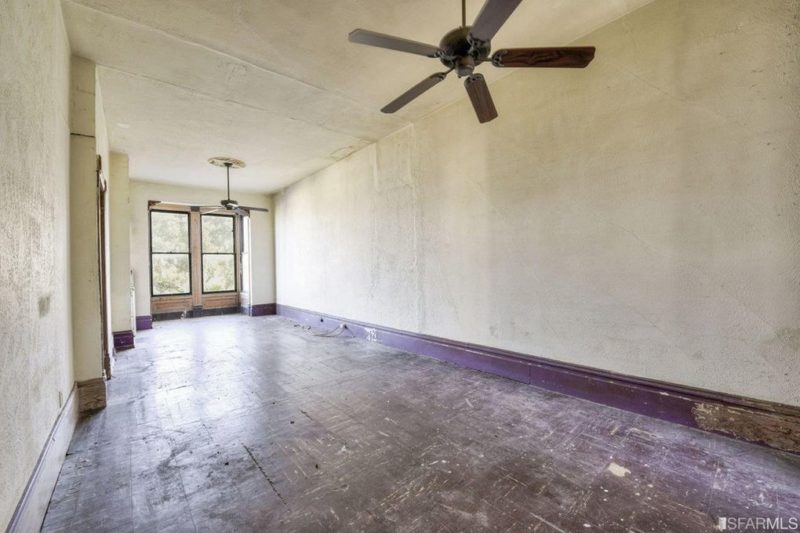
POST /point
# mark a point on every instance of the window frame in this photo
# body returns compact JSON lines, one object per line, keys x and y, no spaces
{"x":233,"y":254}
{"x":187,"y":253}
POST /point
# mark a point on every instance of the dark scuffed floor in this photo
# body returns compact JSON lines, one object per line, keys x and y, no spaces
{"x":234,"y":423}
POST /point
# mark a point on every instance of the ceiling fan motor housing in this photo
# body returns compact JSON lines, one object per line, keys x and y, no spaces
{"x":461,"y":53}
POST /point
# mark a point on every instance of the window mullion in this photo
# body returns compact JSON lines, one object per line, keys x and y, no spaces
{"x":196,"y":258}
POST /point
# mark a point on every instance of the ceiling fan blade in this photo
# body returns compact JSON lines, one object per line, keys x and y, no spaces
{"x":478,"y":93}
{"x":413,"y":92}
{"x":564,"y":57}
{"x":381,"y":40}
{"x":151,"y":203}
{"x":264,"y":209}
{"x":216,"y":207}
{"x":241,"y":212}
{"x":491,"y":18}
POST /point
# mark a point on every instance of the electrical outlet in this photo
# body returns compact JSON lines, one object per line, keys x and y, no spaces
{"x":372,"y":334}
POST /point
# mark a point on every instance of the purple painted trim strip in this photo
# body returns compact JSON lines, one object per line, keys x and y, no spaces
{"x":260,"y":310}
{"x":666,"y":401}
{"x":123,"y":340}
{"x":144,"y":322}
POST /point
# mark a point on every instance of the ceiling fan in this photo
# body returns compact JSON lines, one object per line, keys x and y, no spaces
{"x":466,"y":47}
{"x":227,"y":204}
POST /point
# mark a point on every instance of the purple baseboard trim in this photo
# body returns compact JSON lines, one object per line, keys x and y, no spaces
{"x":748,"y":419}
{"x":144,"y":322}
{"x":123,"y":340}
{"x":260,"y":310}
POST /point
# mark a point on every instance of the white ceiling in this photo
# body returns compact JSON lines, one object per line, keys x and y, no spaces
{"x":276,"y":83}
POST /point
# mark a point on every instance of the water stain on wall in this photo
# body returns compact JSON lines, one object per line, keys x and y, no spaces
{"x":44,"y":305}
{"x":789,"y":337}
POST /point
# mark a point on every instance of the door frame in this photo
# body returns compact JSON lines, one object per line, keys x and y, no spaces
{"x":102,"y":249}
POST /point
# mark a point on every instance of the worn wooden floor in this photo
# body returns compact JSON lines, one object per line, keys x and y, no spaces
{"x":235,"y":423}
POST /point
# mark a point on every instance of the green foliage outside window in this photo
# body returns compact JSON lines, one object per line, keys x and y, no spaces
{"x":169,"y":234}
{"x":219,"y":264}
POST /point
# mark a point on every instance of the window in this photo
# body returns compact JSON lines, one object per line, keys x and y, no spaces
{"x":170,"y":258}
{"x":219,"y":259}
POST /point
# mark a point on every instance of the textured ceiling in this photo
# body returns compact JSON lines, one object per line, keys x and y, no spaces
{"x":276,"y":83}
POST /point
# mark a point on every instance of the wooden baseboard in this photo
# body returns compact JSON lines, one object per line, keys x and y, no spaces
{"x":197,"y":312}
{"x":91,"y":395}
{"x":123,"y":340}
{"x":32,"y":506}
{"x":259,"y":309}
{"x":144,"y":322}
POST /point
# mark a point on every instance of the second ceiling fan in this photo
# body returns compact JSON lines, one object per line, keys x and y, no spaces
{"x":466,"y":47}
{"x":228,"y":204}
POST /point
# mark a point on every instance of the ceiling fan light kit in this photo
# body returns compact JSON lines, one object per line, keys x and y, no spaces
{"x":466,"y":47}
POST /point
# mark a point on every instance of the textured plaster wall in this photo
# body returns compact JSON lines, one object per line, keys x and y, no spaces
{"x":262,"y":256}
{"x":35,"y":339}
{"x":87,"y":332}
{"x":262,"y":234}
{"x":640,"y":216}
{"x":120,"y":268}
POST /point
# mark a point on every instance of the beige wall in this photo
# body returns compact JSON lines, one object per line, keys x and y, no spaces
{"x":639,"y":216}
{"x":262,"y":256}
{"x":120,"y":268}
{"x":262,"y":252}
{"x":87,"y":334}
{"x":36,"y":354}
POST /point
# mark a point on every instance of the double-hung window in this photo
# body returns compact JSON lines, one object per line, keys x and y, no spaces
{"x":171,"y":258}
{"x":218,"y":253}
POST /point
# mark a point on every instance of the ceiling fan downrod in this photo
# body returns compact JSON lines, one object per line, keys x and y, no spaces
{"x":228,"y":177}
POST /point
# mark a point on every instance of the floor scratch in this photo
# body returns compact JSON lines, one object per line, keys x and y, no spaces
{"x":271,"y":484}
